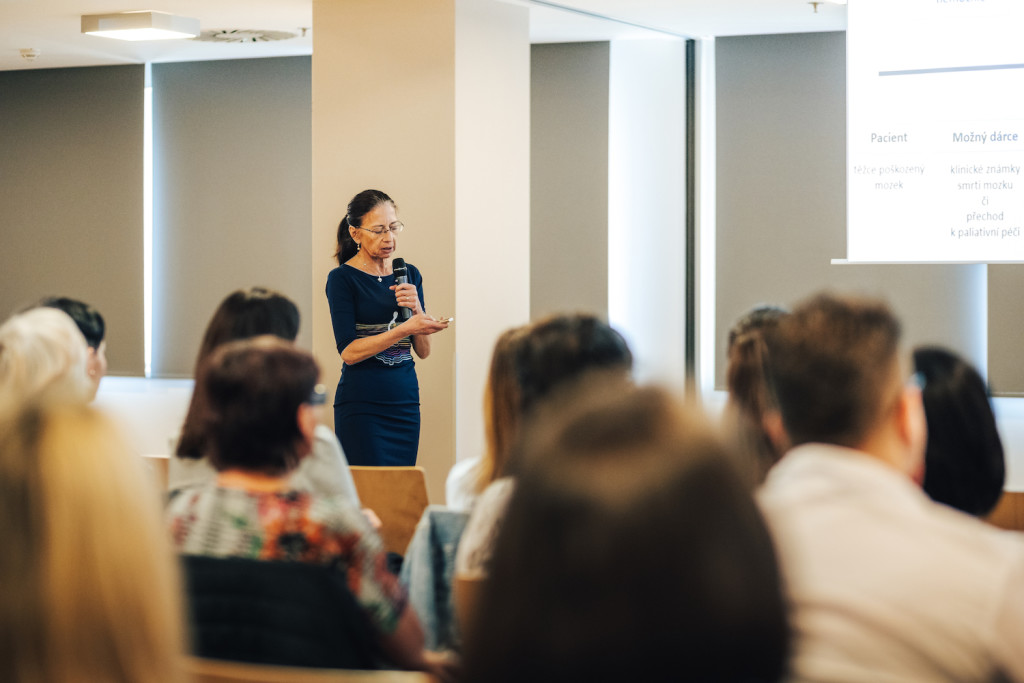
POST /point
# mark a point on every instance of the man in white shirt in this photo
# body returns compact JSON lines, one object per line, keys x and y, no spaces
{"x":884,"y":584}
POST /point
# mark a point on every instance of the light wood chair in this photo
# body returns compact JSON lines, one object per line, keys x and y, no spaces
{"x":200,"y":670}
{"x":398,"y":495}
{"x":1009,"y":512}
{"x":159,"y":466}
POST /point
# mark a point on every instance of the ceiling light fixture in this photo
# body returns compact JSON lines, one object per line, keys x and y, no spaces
{"x":143,"y":25}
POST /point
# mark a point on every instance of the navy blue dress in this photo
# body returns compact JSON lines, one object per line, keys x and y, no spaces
{"x":377,"y":405}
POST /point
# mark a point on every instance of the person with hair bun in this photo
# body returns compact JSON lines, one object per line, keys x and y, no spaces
{"x":377,"y":404}
{"x":752,"y":412}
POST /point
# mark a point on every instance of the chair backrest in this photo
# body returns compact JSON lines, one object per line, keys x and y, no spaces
{"x":429,"y":571}
{"x":1009,"y":512}
{"x":283,"y":613}
{"x":398,"y":495}
{"x":159,"y":466}
{"x":214,"y":671}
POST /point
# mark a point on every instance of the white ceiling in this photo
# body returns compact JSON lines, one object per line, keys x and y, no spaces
{"x":52,"y":27}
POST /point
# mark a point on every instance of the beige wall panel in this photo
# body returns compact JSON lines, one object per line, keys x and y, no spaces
{"x":384,"y":117}
{"x":412,"y":97}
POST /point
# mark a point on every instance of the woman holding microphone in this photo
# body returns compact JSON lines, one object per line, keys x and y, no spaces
{"x":377,"y":405}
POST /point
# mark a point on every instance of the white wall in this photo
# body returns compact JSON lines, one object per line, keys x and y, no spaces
{"x":646,"y":204}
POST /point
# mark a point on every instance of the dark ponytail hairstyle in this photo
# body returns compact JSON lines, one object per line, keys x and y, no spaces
{"x":362,"y":204}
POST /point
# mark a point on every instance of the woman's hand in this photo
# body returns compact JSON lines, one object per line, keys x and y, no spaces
{"x":421,"y":323}
{"x":407,"y":297}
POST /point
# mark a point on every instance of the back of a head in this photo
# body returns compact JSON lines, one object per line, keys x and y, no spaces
{"x":91,"y":591}
{"x":251,"y":391}
{"x":87,"y":318}
{"x":750,"y":396}
{"x":249,"y":313}
{"x":964,"y":463}
{"x":501,"y":405}
{"x":833,"y":362}
{"x":243,"y":314}
{"x":631,"y":550}
{"x":43,"y":352}
{"x":560,"y":350}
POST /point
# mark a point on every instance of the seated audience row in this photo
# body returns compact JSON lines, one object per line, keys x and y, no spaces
{"x":244,"y":314}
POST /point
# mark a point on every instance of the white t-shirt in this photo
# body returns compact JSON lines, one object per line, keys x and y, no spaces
{"x":323,"y":472}
{"x":885,"y":584}
{"x":460,"y":487}
{"x":473,"y":557}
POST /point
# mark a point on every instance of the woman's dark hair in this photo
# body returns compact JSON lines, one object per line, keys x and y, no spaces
{"x":242,"y":315}
{"x":561,"y":349}
{"x":252,"y":390}
{"x":750,"y":395}
{"x":964,"y":465}
{"x":631,"y":551}
{"x":88,"y":319}
{"x":362,"y":204}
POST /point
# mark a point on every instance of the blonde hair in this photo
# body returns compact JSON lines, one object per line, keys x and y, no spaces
{"x":42,"y":351}
{"x":501,"y":407}
{"x":90,"y":584}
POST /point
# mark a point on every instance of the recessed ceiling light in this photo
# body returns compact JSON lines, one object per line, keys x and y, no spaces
{"x":145,"y":25}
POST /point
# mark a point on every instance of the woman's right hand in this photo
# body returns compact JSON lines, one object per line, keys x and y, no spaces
{"x":422,"y":323}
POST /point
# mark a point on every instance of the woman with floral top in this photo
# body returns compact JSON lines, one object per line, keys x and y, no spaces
{"x":260,"y":396}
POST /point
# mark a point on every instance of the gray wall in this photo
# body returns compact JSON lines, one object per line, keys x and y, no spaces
{"x":781,"y":134}
{"x":232,"y":141}
{"x":569,"y":178}
{"x":71,"y":196}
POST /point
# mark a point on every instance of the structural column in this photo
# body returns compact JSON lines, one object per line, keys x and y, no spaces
{"x":428,"y":100}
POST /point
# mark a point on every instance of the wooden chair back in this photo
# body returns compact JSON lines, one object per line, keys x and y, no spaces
{"x":200,"y":670}
{"x":398,"y":495}
{"x":1009,"y":512}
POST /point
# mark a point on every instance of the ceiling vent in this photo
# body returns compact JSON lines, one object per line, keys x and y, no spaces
{"x":243,"y":36}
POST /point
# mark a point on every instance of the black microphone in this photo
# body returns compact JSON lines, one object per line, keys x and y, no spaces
{"x":401,"y":277}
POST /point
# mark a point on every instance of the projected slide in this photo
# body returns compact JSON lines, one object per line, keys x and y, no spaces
{"x":935,"y":130}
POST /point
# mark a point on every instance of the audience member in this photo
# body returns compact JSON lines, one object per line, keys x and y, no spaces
{"x":631,"y":551}
{"x":964,"y":465}
{"x":552,"y":354}
{"x":468,"y":478}
{"x":42,"y":352}
{"x":752,"y":413}
{"x":242,"y":315}
{"x":258,"y":422}
{"x":90,"y":588}
{"x":90,"y":323}
{"x":884,"y":583}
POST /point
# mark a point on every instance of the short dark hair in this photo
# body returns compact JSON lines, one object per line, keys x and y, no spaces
{"x":563,"y":348}
{"x":252,"y":390}
{"x":88,"y":319}
{"x":362,"y":204}
{"x":243,"y":314}
{"x":832,"y":362}
{"x":631,"y":550}
{"x":964,"y":463}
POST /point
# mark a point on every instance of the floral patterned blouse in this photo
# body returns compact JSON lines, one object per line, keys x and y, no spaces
{"x":290,"y":526}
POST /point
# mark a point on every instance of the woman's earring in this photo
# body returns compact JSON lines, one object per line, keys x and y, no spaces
{"x":358,"y":246}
